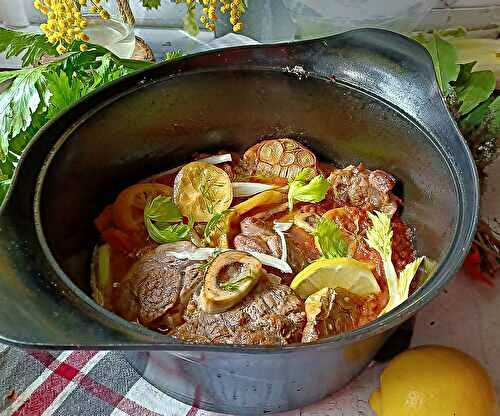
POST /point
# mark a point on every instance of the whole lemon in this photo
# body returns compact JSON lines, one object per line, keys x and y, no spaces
{"x":434,"y":381}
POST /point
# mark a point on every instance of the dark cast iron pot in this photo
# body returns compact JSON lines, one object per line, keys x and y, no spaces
{"x":365,"y":95}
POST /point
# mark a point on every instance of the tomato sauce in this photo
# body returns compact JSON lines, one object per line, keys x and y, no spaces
{"x":121,"y":226}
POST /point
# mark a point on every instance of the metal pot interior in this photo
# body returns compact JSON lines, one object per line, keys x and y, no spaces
{"x":162,"y":124}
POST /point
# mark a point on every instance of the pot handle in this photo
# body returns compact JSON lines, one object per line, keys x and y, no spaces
{"x":37,"y":308}
{"x":397,"y":69}
{"x":384,"y":64}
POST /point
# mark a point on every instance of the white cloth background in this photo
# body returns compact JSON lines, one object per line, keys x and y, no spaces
{"x":13,"y":13}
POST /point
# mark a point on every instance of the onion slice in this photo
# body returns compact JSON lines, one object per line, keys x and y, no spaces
{"x":244,"y":189}
{"x":204,"y":253}
{"x":213,"y":160}
{"x":280,"y":228}
{"x":272,"y":261}
{"x":198,"y":254}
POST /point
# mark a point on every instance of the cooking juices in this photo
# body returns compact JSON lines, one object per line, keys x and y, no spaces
{"x":270,"y":247}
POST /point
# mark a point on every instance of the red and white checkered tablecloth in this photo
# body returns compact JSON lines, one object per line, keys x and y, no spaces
{"x":102,"y":383}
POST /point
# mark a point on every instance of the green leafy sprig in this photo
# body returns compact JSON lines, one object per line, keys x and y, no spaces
{"x":151,"y":4}
{"x":32,"y":95}
{"x":215,"y":224}
{"x":162,"y":220}
{"x":379,"y":238}
{"x":307,"y":187}
{"x":330,"y":239}
{"x":470,"y":98}
{"x":31,"y":47}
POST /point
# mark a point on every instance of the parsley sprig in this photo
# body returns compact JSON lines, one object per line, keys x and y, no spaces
{"x":163,"y":221}
{"x":32,"y":95}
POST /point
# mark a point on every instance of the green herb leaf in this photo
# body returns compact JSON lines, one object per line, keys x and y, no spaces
{"x":161,"y":209}
{"x":330,"y":239}
{"x":18,"y":102}
{"x":214,"y":225}
{"x":475,"y":117}
{"x":7,"y":75}
{"x":19,"y":142}
{"x":406,"y":276}
{"x":444,"y":57}
{"x":63,"y":92}
{"x":173,"y":55}
{"x":306,"y":188}
{"x":464,"y":74}
{"x":492,"y":117}
{"x":190,"y":24}
{"x":110,"y":68}
{"x":31,"y":46}
{"x":151,"y":4}
{"x":304,"y":175}
{"x":159,"y":215}
{"x":8,"y":166}
{"x":477,"y":89}
{"x":4,"y":187}
{"x":379,"y":237}
{"x":26,"y":94}
{"x":234,"y":286}
{"x":169,"y":233}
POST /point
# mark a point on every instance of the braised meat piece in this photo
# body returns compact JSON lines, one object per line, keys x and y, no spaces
{"x":254,"y":226}
{"x":271,"y":314}
{"x":158,"y":283}
{"x":332,"y":312}
{"x":301,"y":249}
{"x":258,"y":235}
{"x":251,"y":243}
{"x":362,"y":188}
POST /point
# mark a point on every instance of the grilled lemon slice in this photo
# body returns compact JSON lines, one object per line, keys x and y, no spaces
{"x":202,"y":190}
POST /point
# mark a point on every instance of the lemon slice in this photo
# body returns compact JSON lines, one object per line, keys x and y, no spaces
{"x":347,"y":273}
{"x":202,"y":190}
{"x":314,"y":303}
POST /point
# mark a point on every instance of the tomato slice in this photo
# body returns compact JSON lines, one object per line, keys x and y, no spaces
{"x":105,"y":219}
{"x":128,"y":209}
{"x":118,"y":240}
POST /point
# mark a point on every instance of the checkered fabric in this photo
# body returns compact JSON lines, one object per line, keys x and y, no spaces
{"x":102,"y":383}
